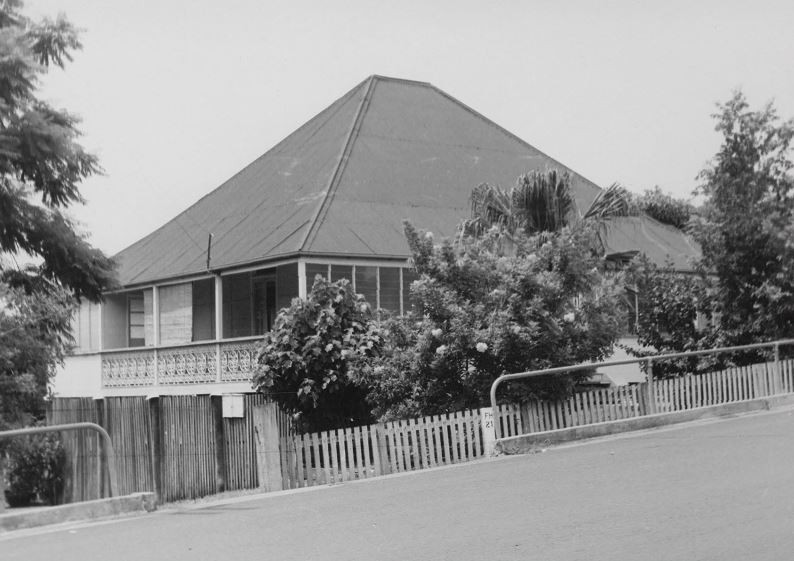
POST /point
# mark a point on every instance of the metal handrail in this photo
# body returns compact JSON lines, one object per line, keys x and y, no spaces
{"x":107,"y":445}
{"x":647,"y":359}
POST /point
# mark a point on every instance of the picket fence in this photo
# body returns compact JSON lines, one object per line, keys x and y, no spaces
{"x":361,"y":452}
{"x":664,"y":396}
{"x":182,"y":448}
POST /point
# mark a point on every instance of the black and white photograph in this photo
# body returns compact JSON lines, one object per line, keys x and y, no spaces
{"x":418,"y":280}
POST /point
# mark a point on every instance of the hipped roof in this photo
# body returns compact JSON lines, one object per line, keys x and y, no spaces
{"x":341,"y":185}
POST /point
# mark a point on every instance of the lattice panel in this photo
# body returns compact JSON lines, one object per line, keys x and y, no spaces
{"x":238,"y":361}
{"x":188,"y":365}
{"x":128,"y":369}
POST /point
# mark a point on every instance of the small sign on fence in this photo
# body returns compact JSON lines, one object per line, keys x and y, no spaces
{"x":488,"y":430}
{"x":233,"y":405}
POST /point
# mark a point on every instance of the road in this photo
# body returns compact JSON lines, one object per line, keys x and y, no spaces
{"x":722,"y":490}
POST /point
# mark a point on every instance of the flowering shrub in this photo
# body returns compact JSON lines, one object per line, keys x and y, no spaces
{"x":482,"y":313}
{"x":304,"y":363}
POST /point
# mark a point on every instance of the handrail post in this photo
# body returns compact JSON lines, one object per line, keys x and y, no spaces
{"x":497,"y":427}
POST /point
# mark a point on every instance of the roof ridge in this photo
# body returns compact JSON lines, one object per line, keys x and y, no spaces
{"x":510,"y":134}
{"x":339,"y":169}
{"x":380,"y":77}
{"x":281,"y":142}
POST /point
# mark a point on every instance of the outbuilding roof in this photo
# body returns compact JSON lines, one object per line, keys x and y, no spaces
{"x":341,"y":185}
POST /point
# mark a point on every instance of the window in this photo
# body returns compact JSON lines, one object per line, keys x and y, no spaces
{"x":203,"y":310}
{"x":249,"y":303}
{"x":264,"y":313}
{"x":390,"y":289}
{"x":137,"y":330}
{"x":367,"y":284}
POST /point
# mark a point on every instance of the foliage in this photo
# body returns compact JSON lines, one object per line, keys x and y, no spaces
{"x":41,"y":167}
{"x":746,"y":222}
{"x":34,"y":336}
{"x":670,"y":304}
{"x":665,"y":208}
{"x":305,"y":362}
{"x":34,"y":471}
{"x":483,"y":313}
{"x":539,"y":204}
{"x":745,"y":279}
{"x":42,"y":163}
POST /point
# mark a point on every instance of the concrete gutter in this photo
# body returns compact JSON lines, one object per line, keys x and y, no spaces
{"x":527,"y":443}
{"x":87,"y":510}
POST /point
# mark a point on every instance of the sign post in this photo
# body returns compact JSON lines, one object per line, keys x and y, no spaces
{"x":488,"y":430}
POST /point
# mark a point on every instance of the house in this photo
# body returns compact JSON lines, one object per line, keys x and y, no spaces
{"x":329,"y":199}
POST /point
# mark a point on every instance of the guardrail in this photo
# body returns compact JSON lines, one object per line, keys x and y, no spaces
{"x":648,"y":360}
{"x":107,"y":445}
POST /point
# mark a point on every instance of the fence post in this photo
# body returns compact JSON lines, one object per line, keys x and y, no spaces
{"x":99,"y":408}
{"x":380,"y":448}
{"x":156,"y":447}
{"x":2,"y":484}
{"x":778,"y":377}
{"x":488,"y":422}
{"x":650,"y":394}
{"x":216,"y":404}
{"x":268,"y":447}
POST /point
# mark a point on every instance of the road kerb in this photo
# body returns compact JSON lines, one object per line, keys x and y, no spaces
{"x":74,"y":512}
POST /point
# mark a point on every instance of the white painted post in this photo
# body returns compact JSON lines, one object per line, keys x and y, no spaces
{"x":488,"y":430}
{"x":99,"y":326}
{"x":302,"y":291}
{"x":156,"y":330}
{"x":218,"y":325}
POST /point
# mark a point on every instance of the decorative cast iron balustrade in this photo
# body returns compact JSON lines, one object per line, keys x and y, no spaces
{"x":128,"y":369}
{"x":188,"y":364}
{"x":237,"y":361}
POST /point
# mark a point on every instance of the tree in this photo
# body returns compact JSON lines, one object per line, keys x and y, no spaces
{"x":744,"y":283}
{"x":33,"y":337}
{"x":41,"y":167}
{"x":482,"y":313}
{"x":745,"y":225}
{"x":305,"y":362}
{"x":42,"y":163}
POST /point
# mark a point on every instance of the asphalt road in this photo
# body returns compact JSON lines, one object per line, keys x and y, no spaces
{"x":722,"y":491}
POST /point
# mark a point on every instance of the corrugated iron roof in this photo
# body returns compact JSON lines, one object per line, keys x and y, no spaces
{"x":341,"y":185}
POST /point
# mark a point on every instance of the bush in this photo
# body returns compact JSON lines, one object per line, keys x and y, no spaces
{"x":665,"y":208}
{"x":304,"y":363}
{"x":481,"y":312}
{"x":34,"y":471}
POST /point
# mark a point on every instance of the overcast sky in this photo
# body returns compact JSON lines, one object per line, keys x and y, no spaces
{"x":176,"y":96}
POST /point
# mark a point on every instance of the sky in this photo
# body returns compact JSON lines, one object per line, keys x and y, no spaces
{"x":177,"y":96}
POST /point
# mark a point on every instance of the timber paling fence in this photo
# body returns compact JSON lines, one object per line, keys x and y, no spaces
{"x":182,"y":447}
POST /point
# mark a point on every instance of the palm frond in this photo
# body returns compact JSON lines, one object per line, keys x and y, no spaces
{"x":609,"y":203}
{"x":542,"y":202}
{"x":490,"y":206}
